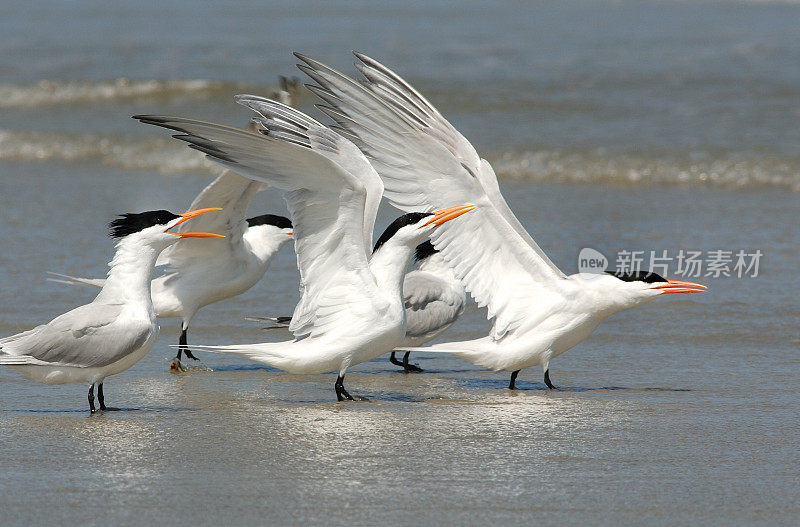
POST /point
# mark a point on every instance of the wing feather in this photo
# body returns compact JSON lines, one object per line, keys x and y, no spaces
{"x":231,"y":192}
{"x":330,"y":190}
{"x":431,"y":304}
{"x":83,"y":337}
{"x":426,"y":164}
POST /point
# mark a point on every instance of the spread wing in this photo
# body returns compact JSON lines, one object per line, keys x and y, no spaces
{"x":233,"y":193}
{"x":431,"y":305}
{"x":329,"y":185}
{"x":426,"y":164}
{"x":85,"y":337}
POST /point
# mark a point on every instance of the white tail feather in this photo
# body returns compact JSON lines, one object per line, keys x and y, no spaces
{"x":290,"y":356}
{"x":74,"y":280}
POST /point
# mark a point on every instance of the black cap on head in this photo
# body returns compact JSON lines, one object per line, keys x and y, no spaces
{"x":638,"y":276}
{"x":406,"y":219}
{"x":424,"y":250}
{"x":137,"y":221}
{"x":270,"y":219}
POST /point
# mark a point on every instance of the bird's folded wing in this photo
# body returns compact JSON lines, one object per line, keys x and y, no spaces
{"x":231,"y":192}
{"x":426,"y":164}
{"x":327,"y":189}
{"x":84,"y":337}
{"x":430,"y":304}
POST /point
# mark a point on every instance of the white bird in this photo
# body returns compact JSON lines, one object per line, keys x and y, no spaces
{"x":538,"y":311}
{"x":351,"y":308}
{"x":116,"y":329}
{"x":433,"y":299}
{"x":197,"y":273}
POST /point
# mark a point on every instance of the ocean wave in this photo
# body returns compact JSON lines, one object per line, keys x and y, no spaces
{"x":602,"y":166}
{"x":167,"y":156}
{"x":48,"y":92}
{"x":162,"y":155}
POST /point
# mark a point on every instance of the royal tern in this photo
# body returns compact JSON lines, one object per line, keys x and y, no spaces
{"x":424,"y":162}
{"x":351,"y":308}
{"x":116,"y":329}
{"x":433,"y":299}
{"x":197,"y":273}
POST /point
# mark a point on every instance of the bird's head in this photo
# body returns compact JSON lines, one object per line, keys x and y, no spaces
{"x":268,"y":233}
{"x":153,"y":227}
{"x":412,"y":228}
{"x":623,"y":290}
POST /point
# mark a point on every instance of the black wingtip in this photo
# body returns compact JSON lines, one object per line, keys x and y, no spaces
{"x":151,"y":119}
{"x":308,"y":70}
{"x":305,"y":58}
{"x":159,"y":120}
{"x":197,"y":143}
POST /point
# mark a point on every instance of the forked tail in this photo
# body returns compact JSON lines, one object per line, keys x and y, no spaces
{"x":74,"y":280}
{"x":481,"y":352}
{"x":290,"y":356}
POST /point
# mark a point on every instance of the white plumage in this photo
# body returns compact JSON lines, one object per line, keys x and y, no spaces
{"x":196,"y":273}
{"x":424,"y":162}
{"x":116,"y":329}
{"x":433,"y":299}
{"x":351,"y":307}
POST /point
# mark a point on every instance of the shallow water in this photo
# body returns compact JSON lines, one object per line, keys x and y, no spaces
{"x":608,"y":130}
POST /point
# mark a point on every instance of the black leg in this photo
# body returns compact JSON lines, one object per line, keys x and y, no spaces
{"x":409,"y":368}
{"x":91,"y":398}
{"x":100,"y":397}
{"x":512,"y":382}
{"x":341,"y":393}
{"x":394,"y":360}
{"x":183,"y":346}
{"x":547,"y":379}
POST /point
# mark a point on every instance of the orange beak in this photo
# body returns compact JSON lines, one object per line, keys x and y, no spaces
{"x":679,"y":286}
{"x":192,"y":214}
{"x":290,"y":233}
{"x":445,"y":215}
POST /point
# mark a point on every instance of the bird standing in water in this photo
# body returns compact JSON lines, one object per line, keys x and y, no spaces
{"x":424,"y":162}
{"x":352,"y":305}
{"x":115,"y":330}
{"x":195,"y":273}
